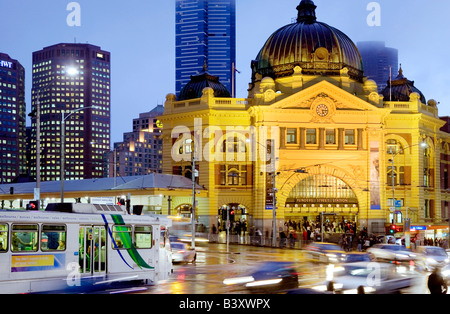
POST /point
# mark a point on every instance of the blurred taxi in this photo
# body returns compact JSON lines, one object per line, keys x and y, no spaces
{"x":430,"y":257}
{"x":325,"y":252}
{"x":365,"y":278}
{"x":391,"y":252}
{"x":182,"y":252}
{"x":268,"y":276}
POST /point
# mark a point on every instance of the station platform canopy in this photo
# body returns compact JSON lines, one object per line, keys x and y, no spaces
{"x":152,"y":184}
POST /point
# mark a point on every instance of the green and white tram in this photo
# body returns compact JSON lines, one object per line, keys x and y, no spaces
{"x":87,"y":247}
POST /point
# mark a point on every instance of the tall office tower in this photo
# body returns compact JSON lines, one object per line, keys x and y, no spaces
{"x":205,"y":34}
{"x":378,"y":61}
{"x":12,"y":119}
{"x":140,"y":153}
{"x":66,"y":79}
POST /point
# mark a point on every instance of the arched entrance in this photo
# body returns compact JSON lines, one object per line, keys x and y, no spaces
{"x":184,"y":210}
{"x":322,"y":194}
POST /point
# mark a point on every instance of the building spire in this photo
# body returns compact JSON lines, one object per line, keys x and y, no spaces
{"x":306,"y":12}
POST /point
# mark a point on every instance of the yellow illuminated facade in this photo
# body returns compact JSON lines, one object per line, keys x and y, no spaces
{"x":339,"y":146}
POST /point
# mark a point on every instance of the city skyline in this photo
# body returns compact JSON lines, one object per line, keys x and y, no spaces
{"x":142,"y":36}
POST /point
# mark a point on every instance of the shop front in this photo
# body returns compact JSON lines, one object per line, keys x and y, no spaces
{"x":434,"y":235}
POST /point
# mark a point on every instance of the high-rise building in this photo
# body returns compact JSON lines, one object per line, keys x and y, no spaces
{"x":66,"y":79}
{"x":140,"y":153}
{"x":205,"y":34}
{"x":379,"y":62}
{"x":12,"y":119}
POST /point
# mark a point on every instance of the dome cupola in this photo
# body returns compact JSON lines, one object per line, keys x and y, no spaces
{"x":317,"y":48}
{"x":401,"y":88}
{"x":194,"y":89}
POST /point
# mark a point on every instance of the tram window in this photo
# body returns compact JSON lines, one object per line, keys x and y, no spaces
{"x":24,"y":238}
{"x":3,"y":238}
{"x":143,"y":237}
{"x":53,"y":238}
{"x":122,"y":237}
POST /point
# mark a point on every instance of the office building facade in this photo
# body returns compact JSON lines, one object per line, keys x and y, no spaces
{"x":205,"y":34}
{"x":62,"y":95}
{"x":379,"y":61}
{"x":140,"y":152}
{"x":12,"y":119}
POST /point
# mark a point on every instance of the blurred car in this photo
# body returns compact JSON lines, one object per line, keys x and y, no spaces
{"x":430,"y":257}
{"x":365,"y":278}
{"x":325,"y":252}
{"x":182,"y":252}
{"x":391,"y":252}
{"x":353,"y":257}
{"x":445,"y":271}
{"x":268,"y":276}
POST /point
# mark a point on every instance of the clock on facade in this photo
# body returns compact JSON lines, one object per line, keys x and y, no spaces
{"x":322,"y":110}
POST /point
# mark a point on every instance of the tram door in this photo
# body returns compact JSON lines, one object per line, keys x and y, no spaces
{"x":92,"y":252}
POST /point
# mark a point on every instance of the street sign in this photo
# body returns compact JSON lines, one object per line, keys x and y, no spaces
{"x":398,"y":203}
{"x":37,"y":194}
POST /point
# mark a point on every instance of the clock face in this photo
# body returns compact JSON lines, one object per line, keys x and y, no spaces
{"x":322,"y":110}
{"x":159,"y":124}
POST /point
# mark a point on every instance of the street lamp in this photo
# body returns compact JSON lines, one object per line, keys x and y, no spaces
{"x":274,"y":190}
{"x":63,"y":139}
{"x":37,"y":115}
{"x":393,"y":155}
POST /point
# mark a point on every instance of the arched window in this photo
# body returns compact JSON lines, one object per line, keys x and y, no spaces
{"x":394,"y":147}
{"x":322,"y":186}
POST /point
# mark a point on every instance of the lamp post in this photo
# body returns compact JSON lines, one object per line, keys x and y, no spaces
{"x":274,"y":190}
{"x":63,"y":140}
{"x":406,"y":220}
{"x":37,"y":115}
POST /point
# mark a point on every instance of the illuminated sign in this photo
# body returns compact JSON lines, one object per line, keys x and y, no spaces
{"x":6,"y":64}
{"x":414,"y":228}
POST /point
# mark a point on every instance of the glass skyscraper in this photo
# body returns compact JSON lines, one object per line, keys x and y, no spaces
{"x":205,"y":34}
{"x":379,"y":61}
{"x":12,"y":119}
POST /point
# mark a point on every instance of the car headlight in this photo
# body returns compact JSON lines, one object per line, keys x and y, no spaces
{"x":238,"y":280}
{"x":264,"y":282}
{"x":355,"y":291}
{"x":431,"y":260}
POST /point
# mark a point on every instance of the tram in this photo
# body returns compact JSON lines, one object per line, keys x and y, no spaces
{"x":80,"y":248}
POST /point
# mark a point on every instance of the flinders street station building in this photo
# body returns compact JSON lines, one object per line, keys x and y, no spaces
{"x":314,"y":137}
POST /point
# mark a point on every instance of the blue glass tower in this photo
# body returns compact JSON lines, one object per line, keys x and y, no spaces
{"x":205,"y":33}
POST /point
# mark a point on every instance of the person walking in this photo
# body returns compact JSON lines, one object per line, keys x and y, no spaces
{"x":436,"y":283}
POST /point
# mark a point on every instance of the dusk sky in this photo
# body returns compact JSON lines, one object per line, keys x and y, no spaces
{"x":140,"y":34}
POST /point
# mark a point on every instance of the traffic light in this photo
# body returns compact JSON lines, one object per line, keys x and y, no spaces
{"x":227,"y":214}
{"x":232,"y":215}
{"x":392,"y":229}
{"x":33,"y":205}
